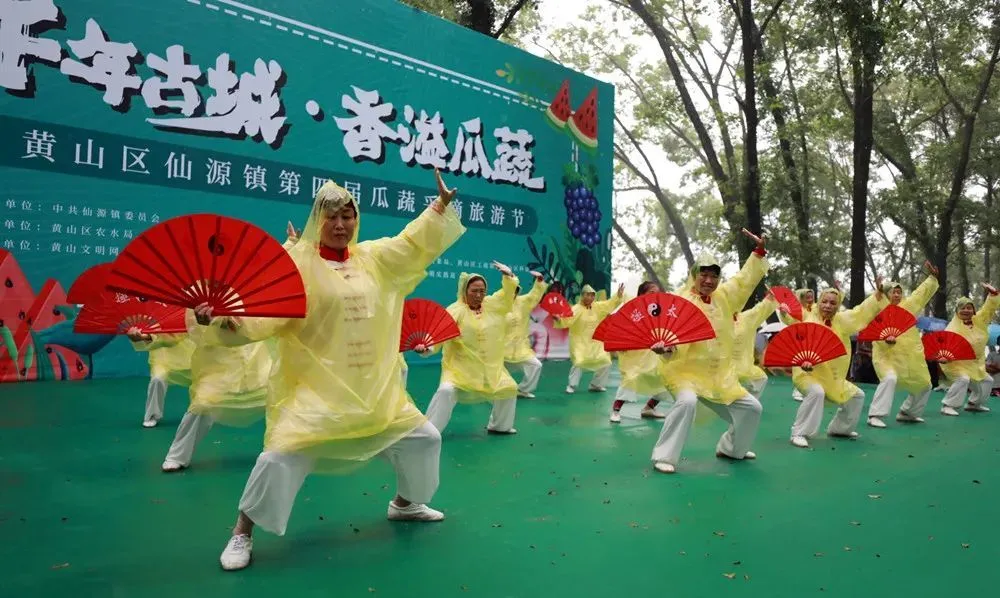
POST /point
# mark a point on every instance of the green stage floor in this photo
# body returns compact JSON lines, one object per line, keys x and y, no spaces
{"x":568,"y":507}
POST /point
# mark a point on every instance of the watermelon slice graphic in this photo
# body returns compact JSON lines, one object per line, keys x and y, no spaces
{"x":44,"y":313}
{"x":558,"y":111}
{"x":583,"y":123}
{"x":16,"y":298}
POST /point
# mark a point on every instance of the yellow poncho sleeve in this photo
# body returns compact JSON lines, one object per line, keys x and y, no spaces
{"x":832,"y":375}
{"x":474,"y":362}
{"x":745,"y":336}
{"x":905,"y":359}
{"x":978,"y":336}
{"x":584,"y":351}
{"x":229,"y":384}
{"x":169,"y":357}
{"x":708,"y":367}
{"x":518,"y":348}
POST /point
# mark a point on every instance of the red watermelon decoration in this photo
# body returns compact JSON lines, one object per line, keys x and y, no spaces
{"x":16,"y":297}
{"x":558,"y":111}
{"x":583,"y":123}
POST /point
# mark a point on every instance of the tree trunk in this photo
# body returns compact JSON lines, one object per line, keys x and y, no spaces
{"x":863,"y":69}
{"x":638,"y":253}
{"x":480,"y":16}
{"x":963,"y":266}
{"x":959,"y":174}
{"x":988,"y":230}
{"x":751,"y":175}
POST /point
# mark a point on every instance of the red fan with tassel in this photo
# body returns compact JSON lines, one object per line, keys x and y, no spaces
{"x":89,"y":285}
{"x":425,"y":323}
{"x":803,"y":342}
{"x":654,"y":318}
{"x":117,"y":313}
{"x":232,"y":265}
{"x":892,"y":321}
{"x":556,"y":305}
{"x":787,"y":299}
{"x":945,"y":345}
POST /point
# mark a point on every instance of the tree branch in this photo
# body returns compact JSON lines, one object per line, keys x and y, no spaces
{"x":509,"y":18}
{"x":767,"y":19}
{"x":638,"y":253}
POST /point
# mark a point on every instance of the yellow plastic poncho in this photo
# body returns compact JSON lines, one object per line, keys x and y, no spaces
{"x":335,"y":391}
{"x":708,"y":367}
{"x":474,"y":362}
{"x":518,"y":348}
{"x":170,"y":360}
{"x":977,"y":334}
{"x":832,"y":375}
{"x":906,"y":357}
{"x":745,"y":337}
{"x":584,"y":351}
{"x":228,"y":383}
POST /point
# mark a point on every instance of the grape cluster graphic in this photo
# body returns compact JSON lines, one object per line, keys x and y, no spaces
{"x":583,"y":216}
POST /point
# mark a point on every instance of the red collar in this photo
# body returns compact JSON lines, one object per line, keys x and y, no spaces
{"x":334,"y":255}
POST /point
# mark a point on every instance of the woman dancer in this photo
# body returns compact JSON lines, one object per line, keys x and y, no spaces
{"x":584,"y":351}
{"x":828,"y":380}
{"x":640,"y":371}
{"x":750,"y":376}
{"x":810,"y":313}
{"x":900,"y":361}
{"x":519,"y":354}
{"x":167,"y":365}
{"x":335,"y":397}
{"x":228,"y":386}
{"x":970,"y":375}
{"x":706,"y":370}
{"x":472,"y":368}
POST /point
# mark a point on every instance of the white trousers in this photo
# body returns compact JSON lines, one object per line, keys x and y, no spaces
{"x":886,"y":391}
{"x":156,"y":392}
{"x":810,"y":414}
{"x":404,"y":372}
{"x":445,"y":399}
{"x":532,"y":369}
{"x":599,"y":380}
{"x":756,"y":387}
{"x":630,"y":396}
{"x":277,"y":477}
{"x":189,"y":433}
{"x":979,"y":392}
{"x":743,"y":417}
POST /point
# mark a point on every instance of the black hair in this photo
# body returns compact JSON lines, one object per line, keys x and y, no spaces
{"x":712,"y":268}
{"x":645,"y":286}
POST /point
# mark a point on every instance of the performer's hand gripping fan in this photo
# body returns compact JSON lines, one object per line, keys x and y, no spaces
{"x":425,"y":323}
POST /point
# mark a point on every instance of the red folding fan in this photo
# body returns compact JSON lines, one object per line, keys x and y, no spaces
{"x":117,"y":313}
{"x":89,"y":285}
{"x":654,"y":318}
{"x":787,"y":299}
{"x":556,"y":305}
{"x":232,"y":265}
{"x":945,"y":345}
{"x":892,"y":321}
{"x":425,"y":323}
{"x":803,"y":342}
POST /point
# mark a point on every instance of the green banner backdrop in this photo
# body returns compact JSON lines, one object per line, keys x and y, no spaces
{"x":116,"y":118}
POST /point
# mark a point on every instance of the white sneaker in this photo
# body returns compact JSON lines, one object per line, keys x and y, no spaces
{"x":800,"y":441}
{"x":597,"y":389}
{"x":525,"y":395}
{"x":946,"y":410}
{"x":750,"y":455}
{"x":150,"y":423}
{"x":876,"y":422}
{"x":502,"y":432}
{"x":172,"y":466}
{"x":648,"y":413}
{"x":849,"y":435}
{"x":977,"y":408}
{"x":616,"y":418}
{"x":413,"y":512}
{"x":907,"y":418}
{"x":663,"y":467}
{"x":237,"y":553}
{"x":570,"y":390}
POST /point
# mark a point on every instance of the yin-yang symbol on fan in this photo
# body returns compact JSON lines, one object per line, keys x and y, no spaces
{"x":217,"y":244}
{"x":653,"y":309}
